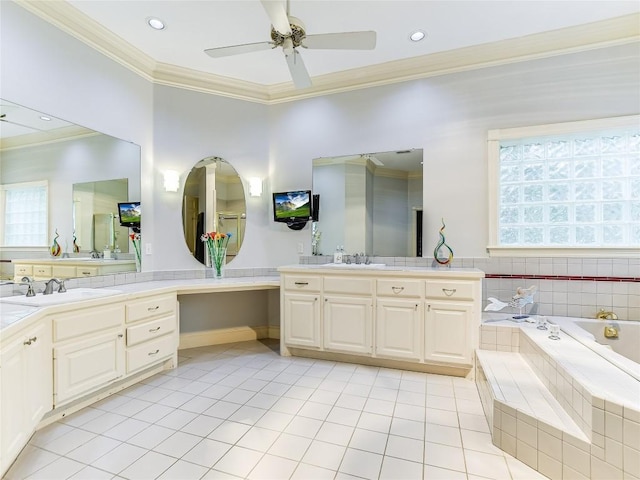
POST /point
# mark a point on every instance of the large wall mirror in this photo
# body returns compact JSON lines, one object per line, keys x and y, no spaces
{"x":213,"y":201}
{"x":370,"y":202}
{"x":86,"y":173}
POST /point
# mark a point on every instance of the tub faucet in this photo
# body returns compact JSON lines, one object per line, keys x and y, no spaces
{"x":603,"y":315}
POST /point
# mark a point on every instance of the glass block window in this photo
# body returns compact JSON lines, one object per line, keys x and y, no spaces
{"x":25,"y":213}
{"x":573,"y":189}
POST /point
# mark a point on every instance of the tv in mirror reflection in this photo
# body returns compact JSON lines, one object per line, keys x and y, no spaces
{"x":292,"y":207}
{"x":130,"y":214}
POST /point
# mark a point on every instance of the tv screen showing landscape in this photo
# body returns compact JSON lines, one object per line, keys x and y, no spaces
{"x":129,"y":213}
{"x":292,"y":206}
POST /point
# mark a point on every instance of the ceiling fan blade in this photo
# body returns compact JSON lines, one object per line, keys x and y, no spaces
{"x":299,"y":73}
{"x":346,"y":40}
{"x":278,"y":16}
{"x":238,"y":49}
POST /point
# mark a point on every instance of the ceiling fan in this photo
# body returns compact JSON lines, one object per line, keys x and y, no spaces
{"x":289,"y":33}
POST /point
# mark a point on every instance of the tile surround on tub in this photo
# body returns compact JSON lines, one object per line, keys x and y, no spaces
{"x":611,"y":448}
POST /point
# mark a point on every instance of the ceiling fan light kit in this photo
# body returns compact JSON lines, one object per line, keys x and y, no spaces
{"x":289,"y":33}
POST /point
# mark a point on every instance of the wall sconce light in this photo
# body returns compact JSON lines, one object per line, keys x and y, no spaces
{"x":171,"y":180}
{"x":255,"y":186}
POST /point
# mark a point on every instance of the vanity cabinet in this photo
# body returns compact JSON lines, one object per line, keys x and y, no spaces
{"x":399,"y":319}
{"x":301,"y":304}
{"x":25,"y":387}
{"x":413,"y":315}
{"x":88,"y":351}
{"x":152,"y":326}
{"x":449,"y":327}
{"x":44,"y":269}
{"x":348,"y":314}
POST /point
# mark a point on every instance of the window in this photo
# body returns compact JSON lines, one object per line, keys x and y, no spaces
{"x":24,"y":210}
{"x":566,"y":186}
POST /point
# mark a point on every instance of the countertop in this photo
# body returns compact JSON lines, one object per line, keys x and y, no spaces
{"x":384,"y":270}
{"x":14,"y":317}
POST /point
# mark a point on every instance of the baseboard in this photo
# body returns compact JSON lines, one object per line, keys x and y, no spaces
{"x":220,"y":336}
{"x":274,"y":332}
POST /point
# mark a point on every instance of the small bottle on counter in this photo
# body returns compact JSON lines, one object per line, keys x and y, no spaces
{"x":106,"y":253}
{"x":337,"y":256}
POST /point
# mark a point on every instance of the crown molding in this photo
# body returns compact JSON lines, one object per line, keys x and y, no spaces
{"x":616,"y":31}
{"x":72,"y":132}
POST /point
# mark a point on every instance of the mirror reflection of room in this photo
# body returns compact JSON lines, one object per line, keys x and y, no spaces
{"x":95,"y":216}
{"x":370,"y":203}
{"x":81,"y":175}
{"x":214,"y":201}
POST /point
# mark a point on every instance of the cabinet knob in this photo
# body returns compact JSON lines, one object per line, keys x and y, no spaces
{"x":449,"y":291}
{"x":120,"y":335}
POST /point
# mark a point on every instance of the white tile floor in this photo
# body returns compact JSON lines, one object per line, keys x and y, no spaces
{"x":242,"y":411}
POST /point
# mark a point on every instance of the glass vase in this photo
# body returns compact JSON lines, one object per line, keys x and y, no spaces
{"x":218,"y":258}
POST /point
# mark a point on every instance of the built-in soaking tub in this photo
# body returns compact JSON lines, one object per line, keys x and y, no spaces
{"x":623,"y":352}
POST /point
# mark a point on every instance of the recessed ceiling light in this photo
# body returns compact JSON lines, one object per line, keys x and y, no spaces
{"x":417,"y":36}
{"x":45,"y":118}
{"x":155,"y":23}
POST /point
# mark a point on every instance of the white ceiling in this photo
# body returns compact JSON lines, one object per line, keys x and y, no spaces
{"x":193,"y":26}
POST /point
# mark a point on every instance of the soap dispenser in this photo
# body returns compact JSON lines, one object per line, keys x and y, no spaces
{"x":106,"y":254}
{"x":337,"y":256}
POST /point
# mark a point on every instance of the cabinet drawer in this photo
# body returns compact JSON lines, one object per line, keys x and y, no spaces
{"x":348,"y":285}
{"x":23,"y":270}
{"x":87,"y":271}
{"x":162,"y":305}
{"x":42,"y":271}
{"x":147,"y":331}
{"x":450,"y":290}
{"x":87,"y":321}
{"x":150,"y":352}
{"x":302,"y":283}
{"x":399,"y":288}
{"x":64,"y":271}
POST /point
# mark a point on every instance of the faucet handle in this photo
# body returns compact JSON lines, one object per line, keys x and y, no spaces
{"x":61,"y":288}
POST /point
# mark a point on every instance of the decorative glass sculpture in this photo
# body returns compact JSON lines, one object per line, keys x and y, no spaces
{"x":55,"y":249}
{"x":442,"y":245}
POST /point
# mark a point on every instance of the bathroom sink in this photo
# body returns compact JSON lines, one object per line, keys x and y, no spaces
{"x":74,"y":295}
{"x":354,"y":266}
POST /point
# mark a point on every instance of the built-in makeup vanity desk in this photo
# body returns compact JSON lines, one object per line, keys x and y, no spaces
{"x":43,"y":269}
{"x":64,"y":351}
{"x":415,"y":318}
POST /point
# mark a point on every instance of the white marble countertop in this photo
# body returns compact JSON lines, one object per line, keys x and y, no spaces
{"x":74,"y":261}
{"x":379,"y":269}
{"x":13,"y":316}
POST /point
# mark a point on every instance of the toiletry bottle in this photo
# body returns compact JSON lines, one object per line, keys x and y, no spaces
{"x":337,"y":256}
{"x":106,"y":254}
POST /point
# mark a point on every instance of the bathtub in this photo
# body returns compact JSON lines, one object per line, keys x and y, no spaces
{"x":623,"y":352}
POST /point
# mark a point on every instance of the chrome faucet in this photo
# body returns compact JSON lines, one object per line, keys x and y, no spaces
{"x":48,"y":286}
{"x":94,"y":254}
{"x":29,"y":282}
{"x":604,"y":315}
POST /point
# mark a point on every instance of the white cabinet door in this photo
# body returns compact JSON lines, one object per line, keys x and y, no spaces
{"x":85,"y":365}
{"x":399,"y":329}
{"x":12,"y":418}
{"x":38,"y":366}
{"x":26,"y":394}
{"x":448,"y":332}
{"x":348,"y":324}
{"x":302,"y":325}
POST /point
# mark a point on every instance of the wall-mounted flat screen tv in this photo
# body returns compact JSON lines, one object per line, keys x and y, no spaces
{"x":129,"y":213}
{"x":292,"y":207}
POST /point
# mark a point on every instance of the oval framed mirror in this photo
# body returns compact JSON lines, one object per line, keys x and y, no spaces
{"x":213,"y":201}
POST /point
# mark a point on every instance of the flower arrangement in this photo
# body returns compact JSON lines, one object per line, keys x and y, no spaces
{"x":135,"y":239}
{"x":217,"y":247}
